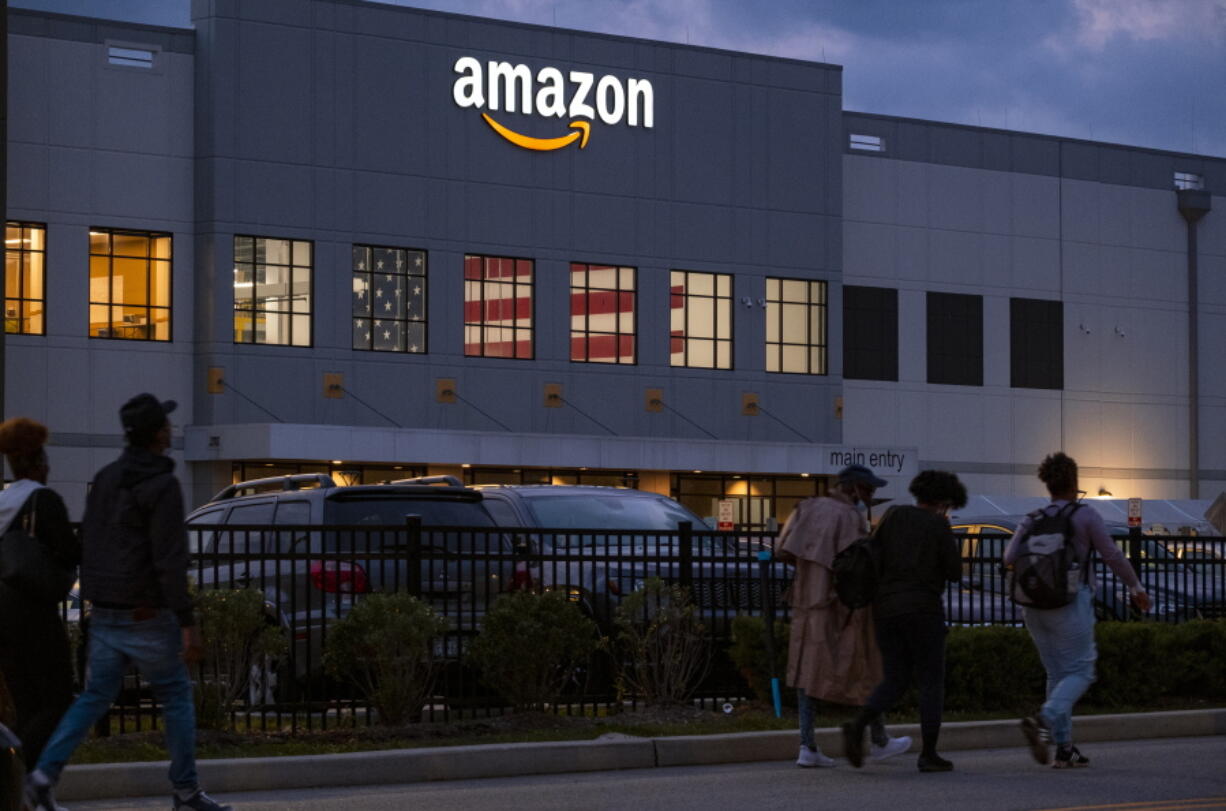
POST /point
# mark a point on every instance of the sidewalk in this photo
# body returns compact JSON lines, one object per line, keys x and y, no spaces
{"x":614,"y":751}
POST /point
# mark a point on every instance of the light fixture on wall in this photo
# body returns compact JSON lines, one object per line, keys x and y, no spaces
{"x":1103,"y":492}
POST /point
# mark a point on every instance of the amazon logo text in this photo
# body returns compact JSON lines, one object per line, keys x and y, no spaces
{"x":502,"y":87}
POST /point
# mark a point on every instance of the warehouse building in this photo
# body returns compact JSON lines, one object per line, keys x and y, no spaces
{"x":383,"y":242}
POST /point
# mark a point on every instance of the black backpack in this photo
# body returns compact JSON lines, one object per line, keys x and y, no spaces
{"x":857,"y":569}
{"x":1046,"y":572}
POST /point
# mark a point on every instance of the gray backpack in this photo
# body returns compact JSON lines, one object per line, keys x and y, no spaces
{"x":1047,"y":572}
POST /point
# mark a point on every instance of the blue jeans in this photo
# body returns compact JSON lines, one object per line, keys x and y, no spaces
{"x":1064,"y":638}
{"x":805,"y":704}
{"x":153,"y":645}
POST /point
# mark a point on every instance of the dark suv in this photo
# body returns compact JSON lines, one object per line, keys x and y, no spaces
{"x":311,"y":546}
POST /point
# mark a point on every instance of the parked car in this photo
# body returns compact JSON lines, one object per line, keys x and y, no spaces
{"x":312,"y":547}
{"x":602,"y":543}
{"x":1175,"y":592}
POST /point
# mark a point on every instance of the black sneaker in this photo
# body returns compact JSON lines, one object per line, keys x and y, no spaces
{"x":40,"y":795}
{"x":1069,"y":757}
{"x":934,"y":763}
{"x":199,"y":801}
{"x":853,"y":743}
{"x":1038,"y":737}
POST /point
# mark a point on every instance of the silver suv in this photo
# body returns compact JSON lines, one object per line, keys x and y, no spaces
{"x":602,"y":543}
{"x":311,"y":547}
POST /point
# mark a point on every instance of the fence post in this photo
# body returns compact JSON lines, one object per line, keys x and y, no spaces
{"x":685,"y":563}
{"x":413,"y":559}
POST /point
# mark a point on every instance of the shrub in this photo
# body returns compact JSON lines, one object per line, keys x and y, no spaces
{"x":1193,"y":656}
{"x":530,"y":645}
{"x":661,"y":646}
{"x":1129,"y":669}
{"x":385,"y":646}
{"x":237,"y":636}
{"x":992,"y":667}
{"x":749,"y":656}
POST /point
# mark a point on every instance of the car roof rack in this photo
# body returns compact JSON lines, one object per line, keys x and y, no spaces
{"x":298,"y":481}
{"x":449,"y":480}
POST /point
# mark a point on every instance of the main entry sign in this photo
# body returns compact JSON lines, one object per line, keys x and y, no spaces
{"x":494,"y":87}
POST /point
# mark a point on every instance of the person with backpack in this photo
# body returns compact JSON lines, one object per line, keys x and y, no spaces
{"x":917,"y":554}
{"x":831,"y":654}
{"x":1049,"y":573}
{"x":35,"y":661}
{"x":134,"y":575}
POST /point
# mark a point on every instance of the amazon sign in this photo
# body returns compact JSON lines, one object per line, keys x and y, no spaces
{"x":498,"y":87}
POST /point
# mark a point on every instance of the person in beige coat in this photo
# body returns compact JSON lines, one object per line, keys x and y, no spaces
{"x":832,"y":654}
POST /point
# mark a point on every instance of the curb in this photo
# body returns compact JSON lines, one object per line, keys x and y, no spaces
{"x":608,"y":752}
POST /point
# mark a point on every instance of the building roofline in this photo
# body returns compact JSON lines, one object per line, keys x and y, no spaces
{"x":1037,"y":135}
{"x":55,"y":25}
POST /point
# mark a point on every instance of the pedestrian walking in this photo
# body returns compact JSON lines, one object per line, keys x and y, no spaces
{"x":832,"y":655}
{"x":1064,"y":636}
{"x":917,"y":554}
{"x":35,"y":661}
{"x":134,"y":574}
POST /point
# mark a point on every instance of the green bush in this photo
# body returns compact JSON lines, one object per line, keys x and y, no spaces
{"x":530,"y":645}
{"x":660,"y":647}
{"x":749,"y":656}
{"x":237,"y":637}
{"x":385,"y":646}
{"x":1193,"y":656}
{"x":992,"y":668}
{"x":1139,"y":664}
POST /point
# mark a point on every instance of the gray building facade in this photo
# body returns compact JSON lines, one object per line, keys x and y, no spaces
{"x":380,"y":241}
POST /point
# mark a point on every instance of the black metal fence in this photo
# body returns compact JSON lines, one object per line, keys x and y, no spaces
{"x":311,"y":577}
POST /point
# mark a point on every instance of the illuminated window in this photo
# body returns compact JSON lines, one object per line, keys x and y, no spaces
{"x":497,"y":307}
{"x":25,"y":262}
{"x":700,"y":316}
{"x":796,"y":326}
{"x":272,"y":291}
{"x":129,"y":284}
{"x":389,"y":299}
{"x":602,"y":312}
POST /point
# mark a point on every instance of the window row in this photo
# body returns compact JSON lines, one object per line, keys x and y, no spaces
{"x":955,"y":338}
{"x":273,"y":286}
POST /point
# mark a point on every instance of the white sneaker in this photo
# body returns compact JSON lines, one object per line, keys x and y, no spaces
{"x":892,"y":747}
{"x":808,"y":758}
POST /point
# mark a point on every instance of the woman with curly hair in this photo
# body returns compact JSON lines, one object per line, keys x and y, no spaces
{"x":917,"y":554}
{"x":34,"y":656}
{"x":1064,"y":636}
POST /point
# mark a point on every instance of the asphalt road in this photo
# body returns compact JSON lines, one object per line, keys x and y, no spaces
{"x":1156,"y":775}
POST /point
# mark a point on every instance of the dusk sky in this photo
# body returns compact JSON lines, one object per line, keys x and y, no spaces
{"x":1148,"y":73}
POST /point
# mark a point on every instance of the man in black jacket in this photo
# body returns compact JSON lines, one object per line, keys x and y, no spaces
{"x":134,"y":574}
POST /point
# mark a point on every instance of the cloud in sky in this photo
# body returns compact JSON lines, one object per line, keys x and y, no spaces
{"x":1148,"y":73}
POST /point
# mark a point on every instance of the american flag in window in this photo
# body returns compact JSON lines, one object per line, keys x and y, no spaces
{"x":497,"y":307}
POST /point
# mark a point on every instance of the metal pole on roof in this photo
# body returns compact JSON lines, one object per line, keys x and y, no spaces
{"x":1193,"y":204}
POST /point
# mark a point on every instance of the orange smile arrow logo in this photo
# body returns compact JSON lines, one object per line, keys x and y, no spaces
{"x":582,"y":130}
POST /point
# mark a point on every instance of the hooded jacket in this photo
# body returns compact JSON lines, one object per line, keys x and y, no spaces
{"x":134,"y":540}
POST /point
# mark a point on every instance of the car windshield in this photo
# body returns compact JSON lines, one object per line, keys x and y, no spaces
{"x":392,"y":512}
{"x":610,"y":512}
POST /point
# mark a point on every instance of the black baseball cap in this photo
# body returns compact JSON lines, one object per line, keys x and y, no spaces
{"x":145,"y":413}
{"x":859,"y":474}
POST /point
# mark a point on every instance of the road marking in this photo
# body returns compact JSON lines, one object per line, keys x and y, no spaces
{"x":1152,"y":805}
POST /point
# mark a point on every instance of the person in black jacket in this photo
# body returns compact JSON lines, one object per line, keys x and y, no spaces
{"x":134,"y":574}
{"x":34,"y":656}
{"x":917,"y":555}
